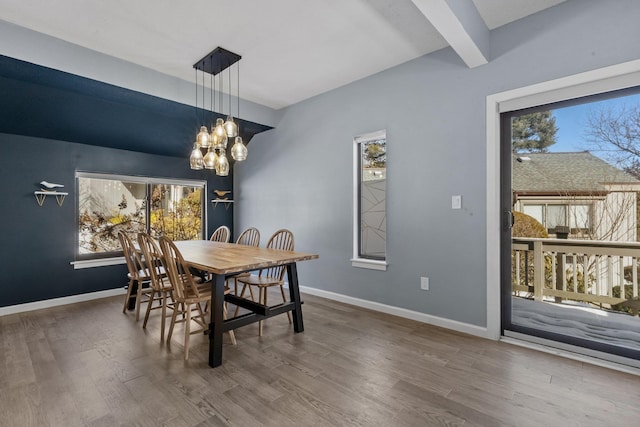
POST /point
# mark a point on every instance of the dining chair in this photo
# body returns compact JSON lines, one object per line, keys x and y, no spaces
{"x":138,"y":275}
{"x":188,"y":295}
{"x":161,"y":288}
{"x":222,"y":234}
{"x":249,"y":237}
{"x":268,"y":277}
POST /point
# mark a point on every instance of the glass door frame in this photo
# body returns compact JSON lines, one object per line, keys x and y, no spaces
{"x":506,"y":200}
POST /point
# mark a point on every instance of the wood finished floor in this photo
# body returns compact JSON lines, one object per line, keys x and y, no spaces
{"x":88,"y":364}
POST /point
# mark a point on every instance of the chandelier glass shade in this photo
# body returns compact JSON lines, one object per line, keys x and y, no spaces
{"x":209,"y":149}
{"x":239,"y":150}
{"x":230,"y":127}
{"x":223,"y":164}
{"x":196,"y":160}
{"x":210,"y":160}
{"x":202,"y":139}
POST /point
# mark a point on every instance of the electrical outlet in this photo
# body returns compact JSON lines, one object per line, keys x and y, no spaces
{"x":424,"y":283}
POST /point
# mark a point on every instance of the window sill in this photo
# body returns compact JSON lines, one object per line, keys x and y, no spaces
{"x":103,"y":262}
{"x":369,"y":264}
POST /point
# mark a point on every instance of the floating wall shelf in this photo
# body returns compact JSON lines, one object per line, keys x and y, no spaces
{"x":226,"y":202}
{"x":41,"y":195}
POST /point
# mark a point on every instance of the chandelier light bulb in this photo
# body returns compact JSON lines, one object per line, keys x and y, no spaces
{"x":220,"y":135}
{"x":239,"y":150}
{"x":213,"y":137}
{"x":219,"y":129}
{"x":230,"y":127}
{"x":203,"y":137}
{"x":223,"y":165}
{"x":210,"y":159}
{"x":196,"y":160}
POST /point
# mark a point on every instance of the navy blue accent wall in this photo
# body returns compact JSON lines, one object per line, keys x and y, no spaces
{"x":38,"y":242}
{"x":47,"y":103}
{"x":53,"y":124}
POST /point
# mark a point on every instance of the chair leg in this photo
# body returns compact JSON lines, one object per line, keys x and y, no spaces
{"x":138,"y":301}
{"x":164,"y":314}
{"x":173,"y":323}
{"x":284,"y":299}
{"x":232,"y":335}
{"x":146,"y":316}
{"x":187,"y":333}
{"x":263,"y":299}
{"x":128,"y":297}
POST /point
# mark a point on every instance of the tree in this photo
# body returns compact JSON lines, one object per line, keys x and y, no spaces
{"x":527,"y":226}
{"x":533,"y":133}
{"x":179,"y":221}
{"x":615,"y":131}
{"x":375,"y":154}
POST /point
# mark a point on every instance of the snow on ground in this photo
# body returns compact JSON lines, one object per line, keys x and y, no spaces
{"x":579,"y":321}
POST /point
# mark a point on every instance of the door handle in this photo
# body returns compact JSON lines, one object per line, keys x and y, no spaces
{"x":509,"y":220}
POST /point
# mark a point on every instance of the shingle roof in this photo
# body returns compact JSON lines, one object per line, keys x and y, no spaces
{"x":565,"y":172}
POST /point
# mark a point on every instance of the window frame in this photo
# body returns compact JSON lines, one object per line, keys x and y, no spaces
{"x":112,"y":258}
{"x":357,"y":259}
{"x":544,"y":204}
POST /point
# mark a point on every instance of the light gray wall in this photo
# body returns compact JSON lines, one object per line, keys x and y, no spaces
{"x":299,"y":175}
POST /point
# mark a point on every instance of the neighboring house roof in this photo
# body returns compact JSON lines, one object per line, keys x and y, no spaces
{"x":553,"y":173}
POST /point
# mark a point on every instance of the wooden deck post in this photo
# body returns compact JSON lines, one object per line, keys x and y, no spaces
{"x":538,"y":270}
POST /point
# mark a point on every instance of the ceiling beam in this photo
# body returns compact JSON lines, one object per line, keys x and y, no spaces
{"x":459,"y":22}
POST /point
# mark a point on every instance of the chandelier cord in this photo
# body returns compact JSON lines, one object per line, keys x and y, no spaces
{"x":221,"y":90}
{"x":196,"y":111}
{"x":211,"y":96}
{"x":203,"y":106}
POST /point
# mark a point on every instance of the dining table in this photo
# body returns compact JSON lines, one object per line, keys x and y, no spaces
{"x":223,"y":260}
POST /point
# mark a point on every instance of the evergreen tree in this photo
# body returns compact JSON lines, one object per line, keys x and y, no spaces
{"x":533,"y":133}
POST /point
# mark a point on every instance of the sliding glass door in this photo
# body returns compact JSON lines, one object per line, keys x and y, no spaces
{"x":570,"y":240}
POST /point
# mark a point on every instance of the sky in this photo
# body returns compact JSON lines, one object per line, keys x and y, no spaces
{"x":571,"y":123}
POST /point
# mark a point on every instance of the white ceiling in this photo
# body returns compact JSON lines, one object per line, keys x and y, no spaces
{"x":291,"y":49}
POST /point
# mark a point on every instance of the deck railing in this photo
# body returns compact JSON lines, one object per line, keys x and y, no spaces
{"x":598,"y":272}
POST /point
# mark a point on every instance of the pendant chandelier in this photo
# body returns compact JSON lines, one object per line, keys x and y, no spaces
{"x":210,"y":147}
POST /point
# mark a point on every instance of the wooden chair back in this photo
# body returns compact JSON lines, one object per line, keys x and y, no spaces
{"x":249,"y":237}
{"x":222,"y":234}
{"x":154,"y":260}
{"x":282,"y":240}
{"x":178,"y":271}
{"x":131,"y":255}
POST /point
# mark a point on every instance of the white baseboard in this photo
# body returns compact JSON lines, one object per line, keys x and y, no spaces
{"x":466,"y":328}
{"x":38,"y":305}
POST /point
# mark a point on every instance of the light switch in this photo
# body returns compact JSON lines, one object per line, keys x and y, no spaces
{"x":456,"y":202}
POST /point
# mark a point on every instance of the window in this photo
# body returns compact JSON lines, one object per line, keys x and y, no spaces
{"x":370,"y":214}
{"x":580,"y":216}
{"x":160,"y":207}
{"x":575,"y":216}
{"x":556,"y":216}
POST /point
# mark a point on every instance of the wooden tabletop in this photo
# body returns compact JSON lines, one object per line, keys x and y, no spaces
{"x":229,"y":258}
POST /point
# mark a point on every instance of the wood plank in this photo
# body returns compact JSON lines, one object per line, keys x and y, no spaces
{"x":89,"y":364}
{"x":229,"y":258}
